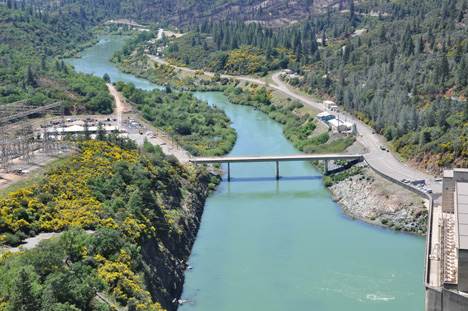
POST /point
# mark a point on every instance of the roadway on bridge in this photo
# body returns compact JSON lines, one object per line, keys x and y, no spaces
{"x":383,"y":161}
{"x":279,"y":158}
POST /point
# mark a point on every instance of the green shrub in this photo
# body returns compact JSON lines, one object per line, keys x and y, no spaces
{"x":327,"y":181}
{"x":372,"y":218}
{"x":384,"y":221}
{"x":11,"y":239}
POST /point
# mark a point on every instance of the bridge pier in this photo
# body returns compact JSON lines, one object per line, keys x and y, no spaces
{"x":277,"y":170}
{"x":325,"y":167}
{"x":229,"y":172}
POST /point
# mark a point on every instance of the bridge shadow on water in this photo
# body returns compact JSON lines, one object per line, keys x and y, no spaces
{"x":258,"y":179}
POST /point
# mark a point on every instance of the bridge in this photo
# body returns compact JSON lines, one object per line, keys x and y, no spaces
{"x":277,"y":159}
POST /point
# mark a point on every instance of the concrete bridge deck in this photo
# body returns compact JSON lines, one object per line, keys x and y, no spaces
{"x":277,"y":159}
{"x":280,"y":158}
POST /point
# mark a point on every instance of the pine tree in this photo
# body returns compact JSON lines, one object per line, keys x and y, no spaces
{"x":352,"y":15}
{"x":30,"y":77}
{"x":444,"y":68}
{"x":86,"y":132}
{"x":23,"y":296}
{"x":101,"y":132}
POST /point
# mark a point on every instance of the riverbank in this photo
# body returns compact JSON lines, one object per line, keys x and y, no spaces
{"x":370,"y":198}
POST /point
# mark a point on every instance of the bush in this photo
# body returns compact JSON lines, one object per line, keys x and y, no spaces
{"x":327,"y":181}
{"x":372,"y":218}
{"x":384,"y":221}
{"x":11,"y":239}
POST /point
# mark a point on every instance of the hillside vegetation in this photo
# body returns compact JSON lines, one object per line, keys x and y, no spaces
{"x":30,"y":68}
{"x":126,"y":198}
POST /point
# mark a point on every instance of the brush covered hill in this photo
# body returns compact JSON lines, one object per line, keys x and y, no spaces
{"x":141,"y":212}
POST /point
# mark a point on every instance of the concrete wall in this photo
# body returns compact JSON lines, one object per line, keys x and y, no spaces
{"x":445,"y":300}
{"x":452,"y":301}
{"x":402,"y":184}
{"x":463,"y":270}
{"x":433,"y":300}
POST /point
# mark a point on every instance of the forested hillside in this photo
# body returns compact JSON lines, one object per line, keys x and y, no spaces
{"x":31,"y":42}
{"x":401,"y":66}
{"x":184,"y":12}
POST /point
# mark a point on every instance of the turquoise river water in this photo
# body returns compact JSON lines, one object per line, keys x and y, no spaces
{"x":273,"y":245}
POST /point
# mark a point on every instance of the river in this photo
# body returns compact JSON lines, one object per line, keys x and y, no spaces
{"x":273,"y":245}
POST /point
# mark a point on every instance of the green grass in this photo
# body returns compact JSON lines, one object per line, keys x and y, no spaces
{"x":33,"y":178}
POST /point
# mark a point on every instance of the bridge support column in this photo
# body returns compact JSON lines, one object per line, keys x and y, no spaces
{"x":229,"y":172}
{"x":325,"y":167}
{"x":277,"y":170}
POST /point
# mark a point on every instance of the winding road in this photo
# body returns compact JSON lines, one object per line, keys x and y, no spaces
{"x":383,"y":161}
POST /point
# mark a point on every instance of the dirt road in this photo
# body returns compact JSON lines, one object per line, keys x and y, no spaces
{"x":164,"y":142}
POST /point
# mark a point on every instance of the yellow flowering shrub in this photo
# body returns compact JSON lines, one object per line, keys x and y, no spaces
{"x":124,"y":283}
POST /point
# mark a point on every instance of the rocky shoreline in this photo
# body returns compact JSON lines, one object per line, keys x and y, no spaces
{"x":371,"y":198}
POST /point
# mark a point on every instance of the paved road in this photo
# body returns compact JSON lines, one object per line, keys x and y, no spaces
{"x":209,"y":74}
{"x":381,"y":160}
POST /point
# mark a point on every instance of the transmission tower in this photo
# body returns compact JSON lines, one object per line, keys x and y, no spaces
{"x":17,"y":138}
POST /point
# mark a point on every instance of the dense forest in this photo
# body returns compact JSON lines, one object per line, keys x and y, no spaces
{"x":30,"y":68}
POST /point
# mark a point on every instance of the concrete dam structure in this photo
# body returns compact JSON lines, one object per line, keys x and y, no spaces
{"x":446,"y":269}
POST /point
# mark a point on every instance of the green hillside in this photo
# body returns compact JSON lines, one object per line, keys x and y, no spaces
{"x":31,"y":45}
